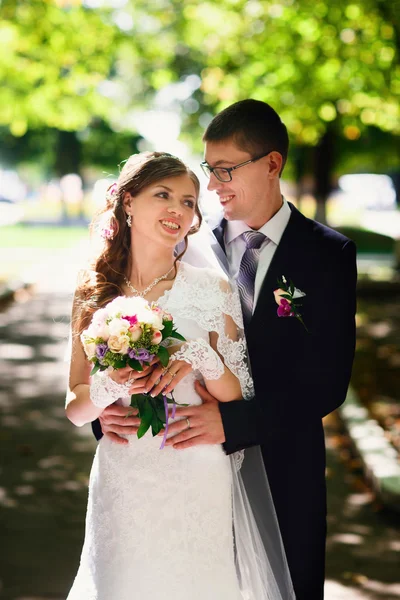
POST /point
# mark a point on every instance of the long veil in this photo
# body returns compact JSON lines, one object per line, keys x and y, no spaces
{"x":261,"y":563}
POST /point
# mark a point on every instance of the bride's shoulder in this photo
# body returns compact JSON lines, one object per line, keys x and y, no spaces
{"x":203,"y":276}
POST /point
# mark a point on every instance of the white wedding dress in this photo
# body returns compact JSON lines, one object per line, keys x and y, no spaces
{"x":159,"y":523}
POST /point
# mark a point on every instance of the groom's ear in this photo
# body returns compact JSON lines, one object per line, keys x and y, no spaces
{"x":275,"y":164}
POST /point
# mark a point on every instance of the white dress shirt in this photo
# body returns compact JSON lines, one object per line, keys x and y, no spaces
{"x":235,"y":245}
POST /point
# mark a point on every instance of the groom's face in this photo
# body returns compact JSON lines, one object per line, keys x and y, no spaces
{"x":246,"y":196}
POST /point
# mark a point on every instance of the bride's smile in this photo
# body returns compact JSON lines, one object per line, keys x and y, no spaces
{"x":162,"y":213}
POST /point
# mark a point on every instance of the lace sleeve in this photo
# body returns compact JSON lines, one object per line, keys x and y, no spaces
{"x":105,"y":391}
{"x":202,"y":357}
{"x":208,"y":298}
{"x":231,"y":343}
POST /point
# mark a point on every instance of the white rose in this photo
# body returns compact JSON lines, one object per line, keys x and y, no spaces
{"x":100,"y":330}
{"x":118,"y":327}
{"x":153,"y":319}
{"x":90,"y":349}
{"x":119,"y":344}
{"x":278,"y":293}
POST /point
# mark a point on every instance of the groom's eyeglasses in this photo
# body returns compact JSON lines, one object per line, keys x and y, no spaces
{"x":224,"y":174}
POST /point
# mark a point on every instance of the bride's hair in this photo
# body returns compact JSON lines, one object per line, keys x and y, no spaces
{"x":102,"y":282}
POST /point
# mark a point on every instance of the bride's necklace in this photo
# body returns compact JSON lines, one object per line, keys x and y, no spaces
{"x":149,"y":287}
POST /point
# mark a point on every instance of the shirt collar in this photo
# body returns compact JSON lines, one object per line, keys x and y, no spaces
{"x":273,"y":228}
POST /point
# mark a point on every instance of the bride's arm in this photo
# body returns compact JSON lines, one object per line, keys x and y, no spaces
{"x":88,"y":397}
{"x":78,"y":406}
{"x":204,"y":357}
{"x":227,"y":386}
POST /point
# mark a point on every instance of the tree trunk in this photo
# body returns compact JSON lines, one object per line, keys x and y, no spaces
{"x":323,"y":168}
{"x":301,"y":164}
{"x":68,"y":160}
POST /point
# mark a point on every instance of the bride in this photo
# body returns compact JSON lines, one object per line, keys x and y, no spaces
{"x":166,"y":524}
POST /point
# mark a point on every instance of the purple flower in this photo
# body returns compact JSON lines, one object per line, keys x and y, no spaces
{"x":101,"y":351}
{"x":140,"y":354}
{"x":285,"y":309}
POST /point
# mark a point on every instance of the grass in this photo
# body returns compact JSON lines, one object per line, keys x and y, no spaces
{"x":25,"y":247}
{"x":24,"y":236}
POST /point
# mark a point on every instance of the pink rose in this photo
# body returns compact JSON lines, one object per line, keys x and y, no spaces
{"x":157,"y":337}
{"x":136,"y":332}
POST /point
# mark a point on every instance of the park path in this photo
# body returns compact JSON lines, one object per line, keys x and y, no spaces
{"x":45,"y":462}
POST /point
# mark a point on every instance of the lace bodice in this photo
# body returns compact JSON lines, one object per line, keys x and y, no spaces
{"x":204,"y":297}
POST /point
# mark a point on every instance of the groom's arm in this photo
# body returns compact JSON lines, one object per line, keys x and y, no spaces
{"x":316,"y":379}
{"x":97,"y":431}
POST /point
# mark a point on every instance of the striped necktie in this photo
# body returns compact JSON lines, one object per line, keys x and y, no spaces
{"x":248,"y":270}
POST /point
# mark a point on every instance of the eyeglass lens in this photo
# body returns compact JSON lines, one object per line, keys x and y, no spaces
{"x":220,"y":173}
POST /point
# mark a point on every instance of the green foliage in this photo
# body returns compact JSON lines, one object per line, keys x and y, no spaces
{"x":321,"y":65}
{"x":52,"y":63}
{"x":315,"y":62}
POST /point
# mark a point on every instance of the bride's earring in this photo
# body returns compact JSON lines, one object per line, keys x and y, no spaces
{"x":129,"y":221}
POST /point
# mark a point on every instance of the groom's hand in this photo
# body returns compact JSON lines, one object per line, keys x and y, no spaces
{"x":119,"y":420}
{"x":205,"y":423}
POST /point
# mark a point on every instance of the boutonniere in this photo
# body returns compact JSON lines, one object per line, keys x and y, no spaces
{"x":287,"y":298}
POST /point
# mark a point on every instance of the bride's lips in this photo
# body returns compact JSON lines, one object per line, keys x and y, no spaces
{"x":171,"y":226}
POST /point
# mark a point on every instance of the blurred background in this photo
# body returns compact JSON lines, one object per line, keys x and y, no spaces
{"x":84,"y":84}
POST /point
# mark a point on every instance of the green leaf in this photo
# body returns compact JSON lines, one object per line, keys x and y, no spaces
{"x":135,"y":364}
{"x":120,"y":364}
{"x":286,"y":296}
{"x":95,"y":369}
{"x":163,"y":356}
{"x":166,"y":332}
{"x":177,"y":336}
{"x":291,"y":287}
{"x":146,"y":416}
{"x":134,"y":402}
{"x":156,"y":425}
{"x":159,"y":409}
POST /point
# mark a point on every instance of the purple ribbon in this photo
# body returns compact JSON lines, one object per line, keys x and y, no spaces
{"x":173,"y":411}
{"x":166,"y":420}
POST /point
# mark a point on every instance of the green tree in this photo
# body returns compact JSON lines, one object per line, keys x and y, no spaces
{"x":329,"y":70}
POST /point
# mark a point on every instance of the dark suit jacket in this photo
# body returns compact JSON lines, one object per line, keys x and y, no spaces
{"x":299,"y":378}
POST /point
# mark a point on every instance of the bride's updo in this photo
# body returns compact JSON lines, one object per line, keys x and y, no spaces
{"x":103,"y":281}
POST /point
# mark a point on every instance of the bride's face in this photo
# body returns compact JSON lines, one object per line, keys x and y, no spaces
{"x":163,"y":212}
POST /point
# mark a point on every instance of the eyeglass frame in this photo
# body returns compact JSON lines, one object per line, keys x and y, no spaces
{"x":208,"y":171}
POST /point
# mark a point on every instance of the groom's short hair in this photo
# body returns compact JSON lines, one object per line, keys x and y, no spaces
{"x":254,"y":126}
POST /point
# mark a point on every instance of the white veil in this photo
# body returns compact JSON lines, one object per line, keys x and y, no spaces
{"x":261,"y":563}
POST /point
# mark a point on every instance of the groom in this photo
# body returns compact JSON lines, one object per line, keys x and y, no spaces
{"x":301,"y":366}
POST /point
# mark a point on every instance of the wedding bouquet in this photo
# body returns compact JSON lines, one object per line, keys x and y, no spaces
{"x":129,"y":331}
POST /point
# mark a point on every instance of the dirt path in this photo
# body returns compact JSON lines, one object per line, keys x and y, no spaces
{"x":45,"y":461}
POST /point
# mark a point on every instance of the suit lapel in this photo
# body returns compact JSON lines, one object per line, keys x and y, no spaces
{"x":287,"y":260}
{"x":218,"y":244}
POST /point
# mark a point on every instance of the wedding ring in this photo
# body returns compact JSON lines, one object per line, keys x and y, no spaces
{"x":188,"y":423}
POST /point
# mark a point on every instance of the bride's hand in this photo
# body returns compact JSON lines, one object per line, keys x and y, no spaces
{"x":139,"y":379}
{"x":165,"y":379}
